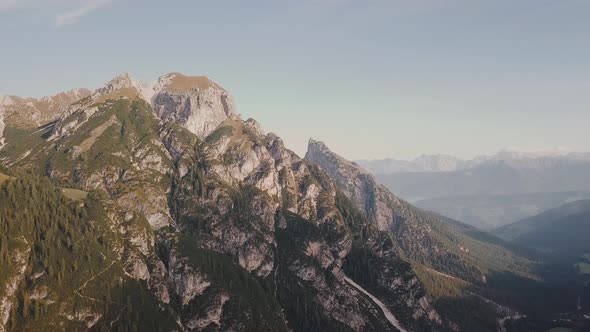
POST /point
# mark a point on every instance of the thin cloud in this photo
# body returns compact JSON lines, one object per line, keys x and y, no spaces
{"x":74,"y":16}
{"x":78,"y":8}
{"x":30,"y":4}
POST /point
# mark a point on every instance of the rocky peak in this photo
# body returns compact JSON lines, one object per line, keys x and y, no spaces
{"x":356,"y":183}
{"x":19,"y":112}
{"x":66,"y":97}
{"x":319,"y":153}
{"x":122,"y":81}
{"x":413,"y":228}
{"x":254,"y":126}
{"x":176,"y":82}
{"x":25,"y":112}
{"x":180,"y":82}
{"x":193,"y":102}
{"x":196,"y":103}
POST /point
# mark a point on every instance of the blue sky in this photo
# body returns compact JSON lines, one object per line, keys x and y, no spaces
{"x":373,"y":78}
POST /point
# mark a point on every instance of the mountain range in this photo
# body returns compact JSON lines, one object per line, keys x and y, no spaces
{"x":489,"y":192}
{"x":447,"y":163}
{"x":155,"y":206}
{"x":423,"y":163}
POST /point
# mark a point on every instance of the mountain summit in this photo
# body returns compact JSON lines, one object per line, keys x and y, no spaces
{"x":196,"y":103}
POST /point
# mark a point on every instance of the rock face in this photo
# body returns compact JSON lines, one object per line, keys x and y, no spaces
{"x":20,"y":112}
{"x":5,"y":101}
{"x":356,"y":183}
{"x":7,"y":299}
{"x":1,"y":129}
{"x":196,"y":103}
{"x":436,"y":246}
{"x":412,"y":230}
{"x":32,"y":112}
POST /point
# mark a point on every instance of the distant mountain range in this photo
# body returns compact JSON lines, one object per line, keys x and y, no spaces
{"x":488,"y":192}
{"x":424,"y":163}
{"x":448,"y":163}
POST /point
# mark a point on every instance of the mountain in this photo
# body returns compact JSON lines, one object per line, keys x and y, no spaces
{"x":513,"y":153}
{"x":61,"y":264}
{"x":460,"y":266}
{"x":419,"y":236}
{"x":494,"y":178}
{"x":496,"y":191}
{"x":423,"y":163}
{"x":438,"y":163}
{"x":447,"y":163}
{"x":564,"y":230}
{"x":17,"y":112}
{"x":154,"y":206}
{"x":563,"y":234}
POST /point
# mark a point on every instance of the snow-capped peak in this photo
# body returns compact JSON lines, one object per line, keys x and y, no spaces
{"x":513,"y":152}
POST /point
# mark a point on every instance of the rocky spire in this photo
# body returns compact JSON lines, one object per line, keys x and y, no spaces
{"x":356,"y":183}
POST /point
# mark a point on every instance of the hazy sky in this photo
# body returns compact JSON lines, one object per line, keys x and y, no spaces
{"x":374,"y":78}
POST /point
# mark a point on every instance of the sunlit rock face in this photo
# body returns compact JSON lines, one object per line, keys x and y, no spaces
{"x":196,"y":103}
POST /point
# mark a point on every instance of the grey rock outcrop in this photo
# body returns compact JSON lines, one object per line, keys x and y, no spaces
{"x":196,"y":103}
{"x":356,"y":183}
